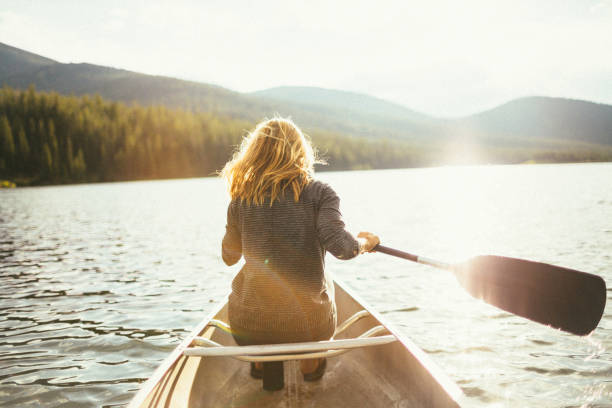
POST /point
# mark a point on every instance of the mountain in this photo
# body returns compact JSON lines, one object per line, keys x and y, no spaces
{"x":322,"y":99}
{"x":541,"y":122}
{"x":121,"y":85}
{"x":541,"y":119}
{"x":13,"y":60}
{"x":349,"y":112}
{"x":338,"y":114}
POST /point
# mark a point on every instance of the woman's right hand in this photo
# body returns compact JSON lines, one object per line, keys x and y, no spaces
{"x":367,"y":241}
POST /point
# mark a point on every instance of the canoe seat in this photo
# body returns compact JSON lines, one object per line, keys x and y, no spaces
{"x":290,"y":351}
{"x":273,"y":355}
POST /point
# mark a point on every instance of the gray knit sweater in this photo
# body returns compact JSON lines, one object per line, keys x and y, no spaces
{"x":281,"y":294}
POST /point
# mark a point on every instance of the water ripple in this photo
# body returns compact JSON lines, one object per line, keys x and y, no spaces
{"x":98,"y":283}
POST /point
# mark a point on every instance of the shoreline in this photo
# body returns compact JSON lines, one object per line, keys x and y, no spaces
{"x":14,"y":183}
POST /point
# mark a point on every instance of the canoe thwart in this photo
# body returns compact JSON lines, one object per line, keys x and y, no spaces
{"x":274,"y":349}
{"x":291,"y":351}
{"x":202,"y":341}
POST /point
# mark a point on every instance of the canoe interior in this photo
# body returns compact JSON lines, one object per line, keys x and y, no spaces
{"x":398,"y":374}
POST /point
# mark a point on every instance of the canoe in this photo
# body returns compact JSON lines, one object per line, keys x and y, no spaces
{"x":369,"y":364}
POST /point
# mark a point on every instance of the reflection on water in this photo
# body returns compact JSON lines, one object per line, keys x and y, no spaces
{"x":99,"y":282}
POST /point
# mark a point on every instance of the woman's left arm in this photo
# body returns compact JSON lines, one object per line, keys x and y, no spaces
{"x":231,"y":247}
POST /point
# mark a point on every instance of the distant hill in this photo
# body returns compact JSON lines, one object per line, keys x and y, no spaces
{"x":350,"y":112}
{"x":13,"y":60}
{"x":122,"y":85}
{"x":540,"y":119}
{"x":552,"y":123}
{"x":126,"y":86}
{"x":357,"y":103}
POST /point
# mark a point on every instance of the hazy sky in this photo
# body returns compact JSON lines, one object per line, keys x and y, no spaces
{"x":446,"y":58}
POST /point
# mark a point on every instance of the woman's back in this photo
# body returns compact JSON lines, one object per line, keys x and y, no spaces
{"x":282,"y":287}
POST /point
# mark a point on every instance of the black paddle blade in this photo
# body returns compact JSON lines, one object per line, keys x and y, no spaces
{"x":563,"y":298}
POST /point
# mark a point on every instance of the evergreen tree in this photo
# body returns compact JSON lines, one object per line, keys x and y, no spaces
{"x":23,"y":161}
{"x":69,"y":156}
{"x":48,"y":161}
{"x":7,"y":143}
{"x":55,"y":154}
{"x":24,"y":145}
{"x":79,"y":166}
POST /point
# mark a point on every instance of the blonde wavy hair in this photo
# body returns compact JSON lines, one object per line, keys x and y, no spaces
{"x":275,"y":156}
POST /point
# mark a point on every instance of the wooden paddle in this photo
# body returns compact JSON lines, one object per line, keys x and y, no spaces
{"x":563,"y":298}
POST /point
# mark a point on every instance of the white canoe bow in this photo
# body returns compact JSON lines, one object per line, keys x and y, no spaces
{"x":369,"y":364}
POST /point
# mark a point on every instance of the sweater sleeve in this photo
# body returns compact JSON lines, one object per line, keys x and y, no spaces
{"x":231,"y":246}
{"x":331,"y":230}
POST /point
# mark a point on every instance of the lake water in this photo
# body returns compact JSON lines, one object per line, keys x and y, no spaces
{"x":99,"y":282}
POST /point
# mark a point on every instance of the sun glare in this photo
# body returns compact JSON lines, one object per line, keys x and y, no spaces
{"x":462,"y":152}
{"x":465,"y":213}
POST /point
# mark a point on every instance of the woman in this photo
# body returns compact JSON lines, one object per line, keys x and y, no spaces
{"x":283,"y":221}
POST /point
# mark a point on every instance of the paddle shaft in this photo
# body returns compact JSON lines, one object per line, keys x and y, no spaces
{"x":413,"y":258}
